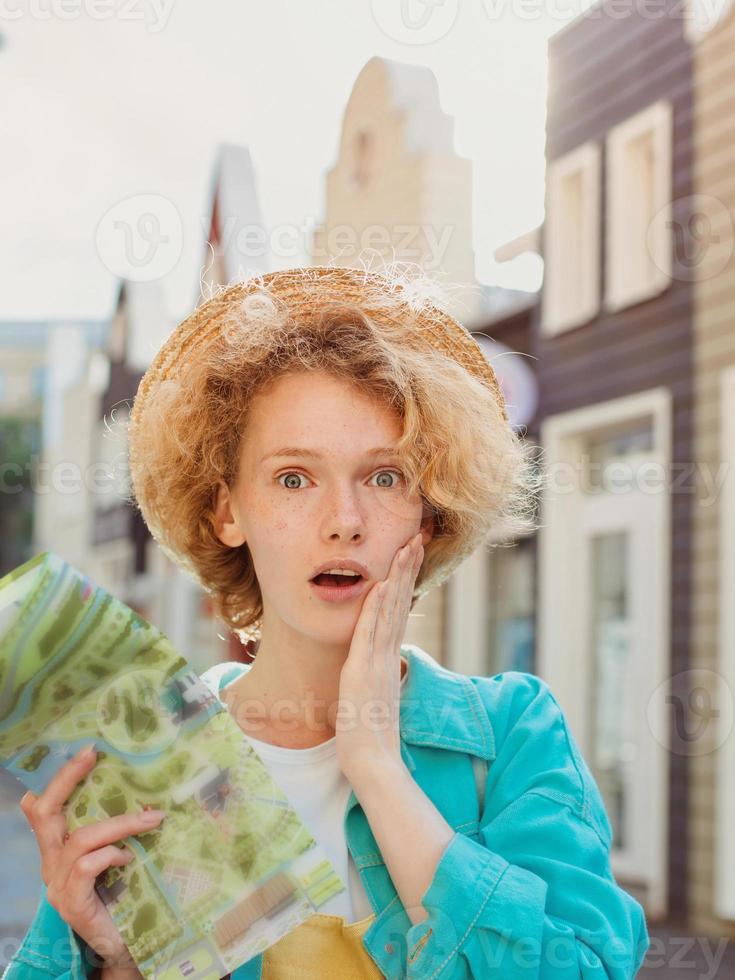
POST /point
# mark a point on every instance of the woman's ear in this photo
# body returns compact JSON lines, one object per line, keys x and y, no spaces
{"x":225,"y":526}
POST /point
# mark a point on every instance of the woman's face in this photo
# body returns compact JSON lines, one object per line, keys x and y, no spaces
{"x":336,"y":499}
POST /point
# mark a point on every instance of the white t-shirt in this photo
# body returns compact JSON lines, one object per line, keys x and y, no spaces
{"x":318,"y":791}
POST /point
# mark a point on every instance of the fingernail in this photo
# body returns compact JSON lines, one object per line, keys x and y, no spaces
{"x":85,"y":754}
{"x":152,"y":816}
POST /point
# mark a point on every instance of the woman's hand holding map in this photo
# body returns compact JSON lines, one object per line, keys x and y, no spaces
{"x":70,"y":863}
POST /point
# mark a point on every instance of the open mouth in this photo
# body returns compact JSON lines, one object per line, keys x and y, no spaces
{"x":336,"y":581}
{"x":338,"y":588}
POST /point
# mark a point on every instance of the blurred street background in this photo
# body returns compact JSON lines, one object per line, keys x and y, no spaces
{"x":568,"y":170}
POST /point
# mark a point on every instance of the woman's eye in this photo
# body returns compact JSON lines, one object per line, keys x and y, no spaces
{"x":290,"y":474}
{"x":395,"y":473}
{"x":293,"y":475}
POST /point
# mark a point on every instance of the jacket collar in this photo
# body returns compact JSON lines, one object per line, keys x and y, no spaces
{"x":442,"y":709}
{"x":439,"y":708}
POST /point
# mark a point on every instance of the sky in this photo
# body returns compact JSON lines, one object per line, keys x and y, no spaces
{"x":109,"y":100}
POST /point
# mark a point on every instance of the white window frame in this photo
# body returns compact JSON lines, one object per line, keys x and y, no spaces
{"x":725,"y":755}
{"x":657,"y":121}
{"x":466,"y":639}
{"x":562,"y":658}
{"x":560,"y":310}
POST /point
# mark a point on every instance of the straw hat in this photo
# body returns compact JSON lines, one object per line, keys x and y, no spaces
{"x":300,"y":290}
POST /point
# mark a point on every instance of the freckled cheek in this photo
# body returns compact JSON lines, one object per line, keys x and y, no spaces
{"x":285,"y":527}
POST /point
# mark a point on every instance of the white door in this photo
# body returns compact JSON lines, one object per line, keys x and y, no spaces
{"x":603,"y":638}
{"x":620,"y":615}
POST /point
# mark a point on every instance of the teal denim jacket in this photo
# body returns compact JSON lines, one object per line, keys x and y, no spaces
{"x":523,"y":890}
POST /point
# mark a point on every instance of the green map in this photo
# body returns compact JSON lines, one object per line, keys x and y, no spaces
{"x":232,"y":867}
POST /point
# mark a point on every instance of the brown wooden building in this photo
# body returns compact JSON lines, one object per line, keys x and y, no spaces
{"x":612,"y":342}
{"x":614,"y":346}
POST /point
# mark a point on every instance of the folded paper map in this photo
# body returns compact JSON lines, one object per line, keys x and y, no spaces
{"x":231,"y":868}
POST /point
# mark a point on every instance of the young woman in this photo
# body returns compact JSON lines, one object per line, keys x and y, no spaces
{"x":320,"y":447}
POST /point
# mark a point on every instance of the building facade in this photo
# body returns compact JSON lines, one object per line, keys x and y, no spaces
{"x":615,"y":355}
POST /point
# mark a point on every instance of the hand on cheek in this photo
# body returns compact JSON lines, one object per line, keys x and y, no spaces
{"x":367,"y":724}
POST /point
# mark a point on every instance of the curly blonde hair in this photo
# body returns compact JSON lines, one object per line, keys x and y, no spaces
{"x":474,"y":474}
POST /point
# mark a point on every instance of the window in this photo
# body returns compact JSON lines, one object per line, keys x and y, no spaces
{"x":610,"y":641}
{"x":614,"y":459}
{"x":363,"y":159}
{"x":638,"y":245}
{"x":511,"y":608}
{"x":572,"y":240}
